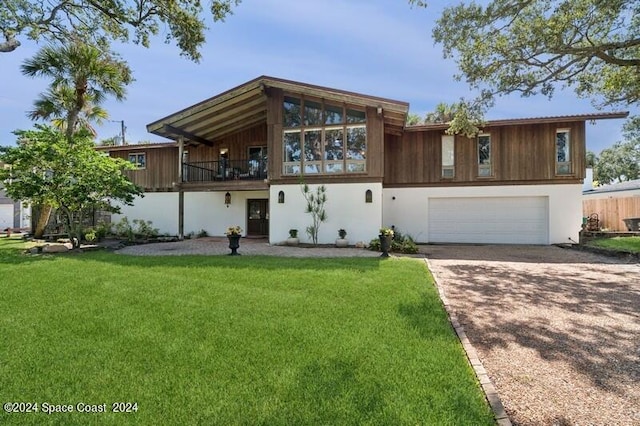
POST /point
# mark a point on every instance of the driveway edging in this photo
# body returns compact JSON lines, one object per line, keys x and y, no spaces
{"x":490,"y":392}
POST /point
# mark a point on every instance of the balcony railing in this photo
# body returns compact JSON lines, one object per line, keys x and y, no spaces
{"x":224,"y":170}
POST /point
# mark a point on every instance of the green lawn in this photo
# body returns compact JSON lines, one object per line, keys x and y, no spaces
{"x":230,"y":340}
{"x":627,"y":244}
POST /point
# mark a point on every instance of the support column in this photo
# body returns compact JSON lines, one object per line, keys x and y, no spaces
{"x":180,"y":189}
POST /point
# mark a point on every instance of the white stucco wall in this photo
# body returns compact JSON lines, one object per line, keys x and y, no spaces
{"x":345,"y":207}
{"x":409,"y":210}
{"x":161,"y":208}
{"x":206,"y":210}
{"x":202,"y":211}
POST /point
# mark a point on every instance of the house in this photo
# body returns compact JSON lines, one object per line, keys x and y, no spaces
{"x":238,"y":158}
{"x":13,"y":214}
{"x":613,"y":203}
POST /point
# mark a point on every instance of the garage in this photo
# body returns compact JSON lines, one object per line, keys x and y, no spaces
{"x":6,"y":216}
{"x":490,"y":220}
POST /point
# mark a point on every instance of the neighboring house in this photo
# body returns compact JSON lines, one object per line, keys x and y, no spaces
{"x":613,"y":203}
{"x":13,"y":214}
{"x":244,"y":150}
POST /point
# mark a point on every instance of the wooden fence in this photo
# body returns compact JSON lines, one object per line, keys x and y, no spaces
{"x":611,"y":211}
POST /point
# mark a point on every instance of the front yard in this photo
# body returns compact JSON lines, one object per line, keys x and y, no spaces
{"x":222,"y":340}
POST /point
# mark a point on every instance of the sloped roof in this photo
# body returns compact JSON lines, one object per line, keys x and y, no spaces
{"x":615,"y":187}
{"x":246,"y":105}
{"x":529,"y":120}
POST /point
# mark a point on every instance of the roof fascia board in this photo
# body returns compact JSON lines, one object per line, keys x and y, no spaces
{"x":534,"y":120}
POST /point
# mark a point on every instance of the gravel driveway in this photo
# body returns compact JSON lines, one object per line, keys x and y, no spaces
{"x":557,"y":330}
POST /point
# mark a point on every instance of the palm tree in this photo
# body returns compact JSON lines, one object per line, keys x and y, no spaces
{"x":444,"y":113}
{"x":55,"y":103}
{"x":82,"y":77}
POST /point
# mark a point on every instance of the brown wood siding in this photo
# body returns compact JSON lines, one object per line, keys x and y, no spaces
{"x":375,"y":143}
{"x":274,"y":132}
{"x":611,"y":211}
{"x":520,"y":154}
{"x":161,"y":169}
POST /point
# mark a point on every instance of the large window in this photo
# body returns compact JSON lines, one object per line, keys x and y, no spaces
{"x":448,"y":157}
{"x":484,"y":155}
{"x":563,"y":152}
{"x":323,"y":138}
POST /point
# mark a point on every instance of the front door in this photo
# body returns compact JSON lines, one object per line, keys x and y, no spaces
{"x":258,"y":217}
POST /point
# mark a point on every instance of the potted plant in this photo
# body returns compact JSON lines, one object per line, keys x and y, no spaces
{"x":233,"y":234}
{"x":293,"y":237}
{"x":386,"y":235}
{"x":342,"y":241}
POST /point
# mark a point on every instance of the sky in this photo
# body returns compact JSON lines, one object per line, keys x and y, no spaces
{"x":374,"y":47}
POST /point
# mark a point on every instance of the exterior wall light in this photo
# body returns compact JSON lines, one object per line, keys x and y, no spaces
{"x":281,"y":197}
{"x":227,"y":199}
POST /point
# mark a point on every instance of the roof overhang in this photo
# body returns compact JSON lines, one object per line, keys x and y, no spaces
{"x":531,"y":120}
{"x":246,"y":106}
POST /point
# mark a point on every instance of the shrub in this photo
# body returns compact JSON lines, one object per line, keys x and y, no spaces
{"x":400,"y":244}
{"x":138,"y":229}
{"x":89,"y":235}
{"x":202,"y":234}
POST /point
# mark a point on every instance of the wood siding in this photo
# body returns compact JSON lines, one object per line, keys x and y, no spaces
{"x":611,"y":211}
{"x":161,"y":171}
{"x":520,"y":154}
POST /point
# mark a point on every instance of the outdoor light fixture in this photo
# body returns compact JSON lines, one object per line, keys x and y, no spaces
{"x":227,"y":199}
{"x":281,"y":197}
{"x":379,"y":110}
{"x":368,"y":196}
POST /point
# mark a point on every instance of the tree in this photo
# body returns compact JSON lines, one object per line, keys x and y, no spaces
{"x":69,"y":174}
{"x":315,"y":207}
{"x":533,"y":47}
{"x":621,"y":162}
{"x":413,"y":119}
{"x":82,"y":77}
{"x":443,"y":113}
{"x":463,"y":117}
{"x":55,"y":104}
{"x":100,"y":22}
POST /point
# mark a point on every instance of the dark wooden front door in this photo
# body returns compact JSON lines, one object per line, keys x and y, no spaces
{"x":258,"y":217}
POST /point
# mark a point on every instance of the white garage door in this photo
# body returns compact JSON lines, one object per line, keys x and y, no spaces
{"x":492,"y":220}
{"x":6,"y":216}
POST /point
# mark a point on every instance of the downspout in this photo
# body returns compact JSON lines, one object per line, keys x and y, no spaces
{"x":180,"y":190}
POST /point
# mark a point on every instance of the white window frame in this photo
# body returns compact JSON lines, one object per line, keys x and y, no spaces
{"x":485,"y":169}
{"x":563,"y":167}
{"x":138,"y":155}
{"x":448,"y":156}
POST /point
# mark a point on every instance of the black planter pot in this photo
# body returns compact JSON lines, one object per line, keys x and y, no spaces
{"x":234,"y":244}
{"x":385,"y":244}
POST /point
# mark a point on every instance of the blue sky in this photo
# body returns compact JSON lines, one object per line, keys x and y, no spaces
{"x":375,"y":47}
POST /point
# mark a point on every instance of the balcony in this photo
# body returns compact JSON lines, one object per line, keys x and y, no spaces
{"x":224,"y":170}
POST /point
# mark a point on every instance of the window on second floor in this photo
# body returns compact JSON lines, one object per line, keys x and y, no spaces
{"x":484,"y":155}
{"x":139,"y":159}
{"x":563,"y":152}
{"x":323,"y":138}
{"x":448,"y":156}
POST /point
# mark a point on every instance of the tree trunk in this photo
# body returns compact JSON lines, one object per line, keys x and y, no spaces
{"x":43,"y":220}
